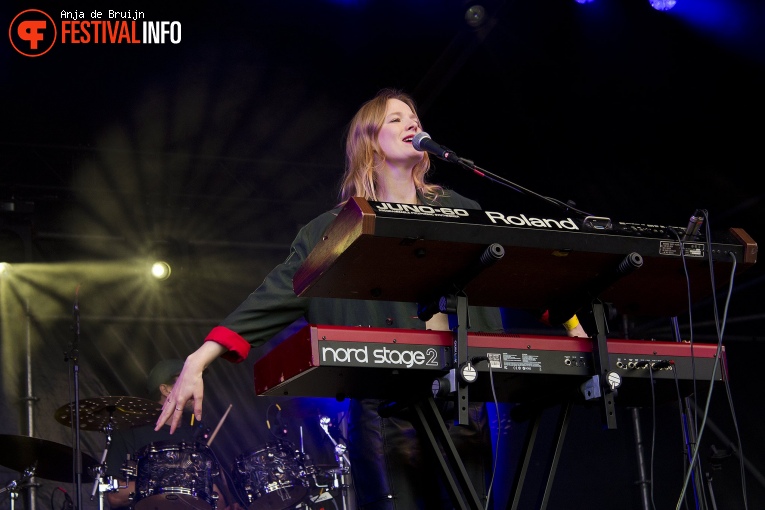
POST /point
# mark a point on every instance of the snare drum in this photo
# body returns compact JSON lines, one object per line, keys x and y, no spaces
{"x":171,"y":475}
{"x":272,"y":477}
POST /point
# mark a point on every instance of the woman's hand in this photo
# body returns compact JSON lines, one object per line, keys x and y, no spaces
{"x":577,"y":331}
{"x":574,"y":328}
{"x":189,"y":387}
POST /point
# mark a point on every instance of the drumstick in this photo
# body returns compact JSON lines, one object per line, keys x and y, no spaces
{"x":215,"y":432}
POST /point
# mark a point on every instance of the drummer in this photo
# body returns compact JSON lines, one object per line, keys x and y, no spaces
{"x":132,"y":440}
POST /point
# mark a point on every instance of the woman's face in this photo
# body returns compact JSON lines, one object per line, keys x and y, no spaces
{"x":395,"y":136}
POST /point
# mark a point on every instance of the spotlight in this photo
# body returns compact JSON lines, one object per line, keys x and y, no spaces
{"x":169,"y":261}
{"x":662,"y":5}
{"x":161,"y":270}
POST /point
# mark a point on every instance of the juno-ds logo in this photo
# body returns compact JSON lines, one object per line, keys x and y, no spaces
{"x":33,"y":32}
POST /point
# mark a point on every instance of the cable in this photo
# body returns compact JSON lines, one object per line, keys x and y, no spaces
{"x":475,"y":360}
{"x":68,"y":504}
{"x":741,"y":456}
{"x":689,"y":423}
{"x":742,"y":466}
{"x":653,"y":432}
{"x":720,"y":334}
{"x":690,"y":313}
{"x":683,"y":423}
{"x":720,"y":330}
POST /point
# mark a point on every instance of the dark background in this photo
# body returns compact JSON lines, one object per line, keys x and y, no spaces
{"x":216,"y":150}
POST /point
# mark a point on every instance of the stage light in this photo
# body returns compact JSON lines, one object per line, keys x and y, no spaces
{"x":662,"y":5}
{"x":164,"y":256}
{"x":161,"y":270}
{"x":169,"y":260}
{"x":584,"y":1}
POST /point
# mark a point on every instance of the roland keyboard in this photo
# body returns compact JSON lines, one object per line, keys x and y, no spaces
{"x":416,"y":251}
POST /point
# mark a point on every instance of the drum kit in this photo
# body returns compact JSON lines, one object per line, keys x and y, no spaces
{"x":170,"y":476}
{"x":277,"y":476}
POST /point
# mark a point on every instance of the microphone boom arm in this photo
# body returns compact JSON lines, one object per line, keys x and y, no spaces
{"x":423,"y":142}
{"x":469,"y":165}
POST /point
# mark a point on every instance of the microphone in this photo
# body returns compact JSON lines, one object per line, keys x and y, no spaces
{"x":424,"y":143}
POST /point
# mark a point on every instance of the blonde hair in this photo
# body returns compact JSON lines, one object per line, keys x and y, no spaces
{"x":363,"y":154}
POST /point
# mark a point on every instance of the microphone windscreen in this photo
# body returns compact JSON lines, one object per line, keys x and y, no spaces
{"x":417,"y":140}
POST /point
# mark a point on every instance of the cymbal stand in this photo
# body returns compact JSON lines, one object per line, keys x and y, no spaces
{"x":13,"y":485}
{"x":342,"y":461}
{"x":342,"y":470}
{"x":324,"y":424}
{"x":99,"y":484}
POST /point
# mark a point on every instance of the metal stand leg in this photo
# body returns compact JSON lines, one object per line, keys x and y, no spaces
{"x":643,"y":481}
{"x":432,"y":428}
{"x":564,"y":417}
{"x":528,"y":449}
{"x":711,"y":492}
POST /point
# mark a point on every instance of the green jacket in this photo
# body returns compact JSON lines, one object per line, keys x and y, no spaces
{"x":273,"y":306}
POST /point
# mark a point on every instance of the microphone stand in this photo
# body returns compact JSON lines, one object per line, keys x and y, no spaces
{"x":73,"y":357}
{"x":99,"y":484}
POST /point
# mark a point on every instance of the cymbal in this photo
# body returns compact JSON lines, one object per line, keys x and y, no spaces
{"x":54,"y":460}
{"x":122,"y":412}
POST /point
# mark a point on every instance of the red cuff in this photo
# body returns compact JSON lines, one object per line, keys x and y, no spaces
{"x":238,"y":347}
